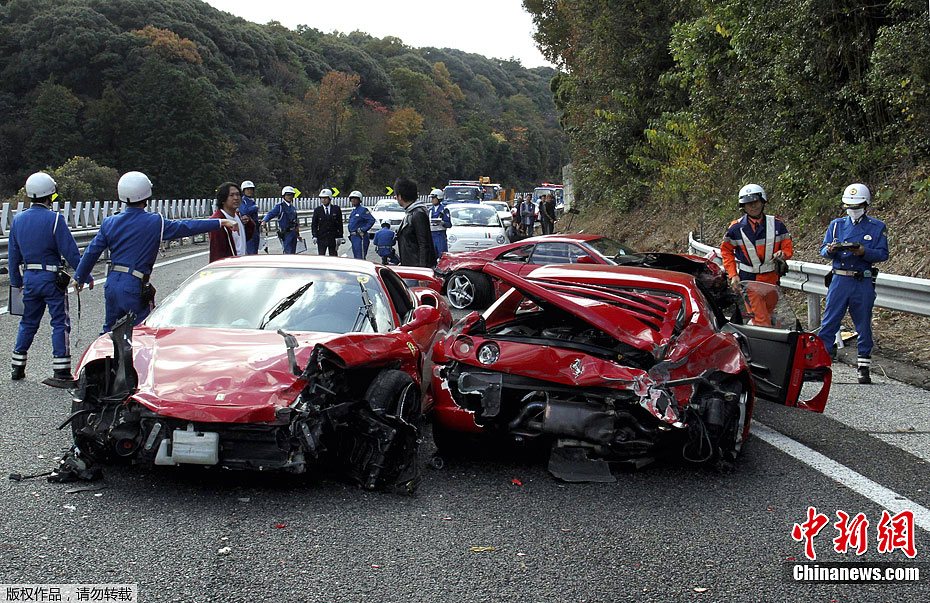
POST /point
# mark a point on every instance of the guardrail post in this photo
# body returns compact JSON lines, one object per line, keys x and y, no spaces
{"x":813,"y":311}
{"x":5,"y":219}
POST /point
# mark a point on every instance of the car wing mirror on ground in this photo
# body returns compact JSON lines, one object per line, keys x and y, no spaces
{"x":422,"y":316}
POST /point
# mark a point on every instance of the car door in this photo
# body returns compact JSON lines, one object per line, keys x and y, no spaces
{"x":516,"y":259}
{"x":782,"y":358}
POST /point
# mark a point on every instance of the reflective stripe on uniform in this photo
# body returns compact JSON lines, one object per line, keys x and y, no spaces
{"x":125,"y":269}
{"x":64,"y":362}
{"x":864,"y":361}
{"x":41,"y":267}
{"x":19,"y":359}
{"x":759,"y":266}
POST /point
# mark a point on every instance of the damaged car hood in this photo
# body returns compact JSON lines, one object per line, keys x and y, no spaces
{"x":230,"y":375}
{"x":644,"y":320}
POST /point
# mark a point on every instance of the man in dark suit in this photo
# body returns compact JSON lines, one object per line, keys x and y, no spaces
{"x":326,"y":225}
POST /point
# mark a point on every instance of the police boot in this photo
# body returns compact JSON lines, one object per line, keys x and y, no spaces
{"x":61,"y":379}
{"x":19,"y":372}
{"x":864,"y":377}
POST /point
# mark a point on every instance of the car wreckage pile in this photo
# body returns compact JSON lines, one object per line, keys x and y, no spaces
{"x":601,"y":364}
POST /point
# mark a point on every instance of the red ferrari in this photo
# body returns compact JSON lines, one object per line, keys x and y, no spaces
{"x":467,"y":287}
{"x":609,"y":363}
{"x":269,"y":363}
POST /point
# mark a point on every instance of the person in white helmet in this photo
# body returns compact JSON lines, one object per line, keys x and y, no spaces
{"x":360,"y":222}
{"x":133,"y":237}
{"x":39,"y":239}
{"x":326,"y":225}
{"x":752,"y":249}
{"x":855,"y":244}
{"x":248,"y":210}
{"x":288,"y":222}
{"x":439,"y":221}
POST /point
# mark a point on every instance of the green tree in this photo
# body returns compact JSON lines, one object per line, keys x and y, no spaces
{"x":55,"y":125}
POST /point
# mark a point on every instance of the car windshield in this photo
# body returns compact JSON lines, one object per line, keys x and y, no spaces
{"x":610,"y":249}
{"x":270,"y":298}
{"x":461,"y":193}
{"x":388,"y":205}
{"x":473,"y":215}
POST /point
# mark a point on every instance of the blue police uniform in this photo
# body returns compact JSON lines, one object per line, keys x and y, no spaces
{"x":249,"y":208}
{"x":439,"y":221}
{"x":360,"y":219}
{"x":133,"y":237}
{"x":384,"y":244}
{"x":852,"y":286}
{"x":286,"y":214}
{"x":39,"y":239}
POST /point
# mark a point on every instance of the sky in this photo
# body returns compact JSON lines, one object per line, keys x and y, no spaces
{"x":493,"y":28}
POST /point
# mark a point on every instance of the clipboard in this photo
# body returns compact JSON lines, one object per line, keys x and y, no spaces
{"x":15,"y":304}
{"x":301,"y":245}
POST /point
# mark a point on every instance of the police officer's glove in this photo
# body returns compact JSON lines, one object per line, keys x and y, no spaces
{"x":734,"y":282}
{"x":314,"y":240}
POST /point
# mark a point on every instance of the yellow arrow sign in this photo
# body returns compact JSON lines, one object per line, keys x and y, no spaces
{"x":390,"y":191}
{"x":335,"y":192}
{"x":296,"y":193}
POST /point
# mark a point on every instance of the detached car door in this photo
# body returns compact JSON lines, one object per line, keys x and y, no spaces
{"x":781,"y":357}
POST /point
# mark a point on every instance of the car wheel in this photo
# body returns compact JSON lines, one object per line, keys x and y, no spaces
{"x":395,"y":393}
{"x":468,"y":289}
{"x":89,"y":446}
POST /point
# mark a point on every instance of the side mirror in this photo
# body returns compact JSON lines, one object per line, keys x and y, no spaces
{"x":422,"y":316}
{"x":585,"y":259}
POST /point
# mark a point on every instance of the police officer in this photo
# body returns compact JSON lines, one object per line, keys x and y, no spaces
{"x":750,"y":248}
{"x":249,"y":209}
{"x":133,"y":237}
{"x":360,"y":222}
{"x":39,"y":239}
{"x":326,"y":225}
{"x":288,"y":223}
{"x":854,"y":243}
{"x":439,"y":221}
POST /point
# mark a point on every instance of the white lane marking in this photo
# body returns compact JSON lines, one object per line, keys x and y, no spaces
{"x":101,"y":281}
{"x":842,"y":474}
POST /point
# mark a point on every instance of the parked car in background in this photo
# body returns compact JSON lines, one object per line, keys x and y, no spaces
{"x":474,"y":227}
{"x":503,"y":211}
{"x":462,"y":194}
{"x":269,"y":363}
{"x":387,"y":210}
{"x":468,"y":287}
{"x":610,"y":364}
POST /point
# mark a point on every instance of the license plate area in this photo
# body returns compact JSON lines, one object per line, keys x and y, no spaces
{"x":189,"y":448}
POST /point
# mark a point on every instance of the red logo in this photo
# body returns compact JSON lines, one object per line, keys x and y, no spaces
{"x":893,"y":532}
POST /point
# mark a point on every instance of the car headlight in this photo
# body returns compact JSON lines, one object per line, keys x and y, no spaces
{"x":489,"y":353}
{"x":500,"y":239}
{"x":452,"y":238}
{"x":463,"y":344}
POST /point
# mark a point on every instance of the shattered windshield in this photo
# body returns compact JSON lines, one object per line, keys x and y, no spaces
{"x":292,"y":299}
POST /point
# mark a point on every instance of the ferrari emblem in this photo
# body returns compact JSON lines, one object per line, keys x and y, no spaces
{"x":577,"y":368}
{"x":413,"y":348}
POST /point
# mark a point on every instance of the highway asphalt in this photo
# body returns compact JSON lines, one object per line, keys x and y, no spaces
{"x":668,"y":532}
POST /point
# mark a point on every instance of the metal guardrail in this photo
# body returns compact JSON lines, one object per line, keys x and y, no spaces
{"x":893,"y":292}
{"x":84,"y":218}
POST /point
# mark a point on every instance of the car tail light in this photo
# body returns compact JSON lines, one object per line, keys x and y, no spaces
{"x":463,"y":345}
{"x":488,"y":353}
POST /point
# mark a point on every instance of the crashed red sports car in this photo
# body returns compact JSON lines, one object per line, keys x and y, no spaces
{"x":609,"y":363}
{"x":467,"y":287}
{"x":269,"y":363}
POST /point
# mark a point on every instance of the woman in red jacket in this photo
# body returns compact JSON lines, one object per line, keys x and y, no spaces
{"x":226,"y":243}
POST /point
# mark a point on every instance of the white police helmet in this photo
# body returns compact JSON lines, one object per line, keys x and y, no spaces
{"x":751,"y":193}
{"x":856,"y":195}
{"x":326,"y":193}
{"x":247,"y":184}
{"x":355,"y":194}
{"x":40,"y":185}
{"x":436,"y":193}
{"x":288,"y":189}
{"x":134,"y":187}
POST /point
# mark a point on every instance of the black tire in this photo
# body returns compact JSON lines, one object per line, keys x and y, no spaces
{"x":396,"y":394}
{"x":469,"y":290}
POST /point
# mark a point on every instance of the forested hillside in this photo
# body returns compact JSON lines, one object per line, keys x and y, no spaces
{"x":194,"y":96}
{"x":671,"y":105}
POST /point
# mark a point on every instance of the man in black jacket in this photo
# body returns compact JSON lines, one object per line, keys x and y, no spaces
{"x":326,"y":225}
{"x":414,"y":240}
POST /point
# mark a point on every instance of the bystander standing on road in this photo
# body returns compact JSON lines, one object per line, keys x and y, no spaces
{"x":527,"y":215}
{"x":414,"y":238}
{"x":227,"y":243}
{"x":547,"y":212}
